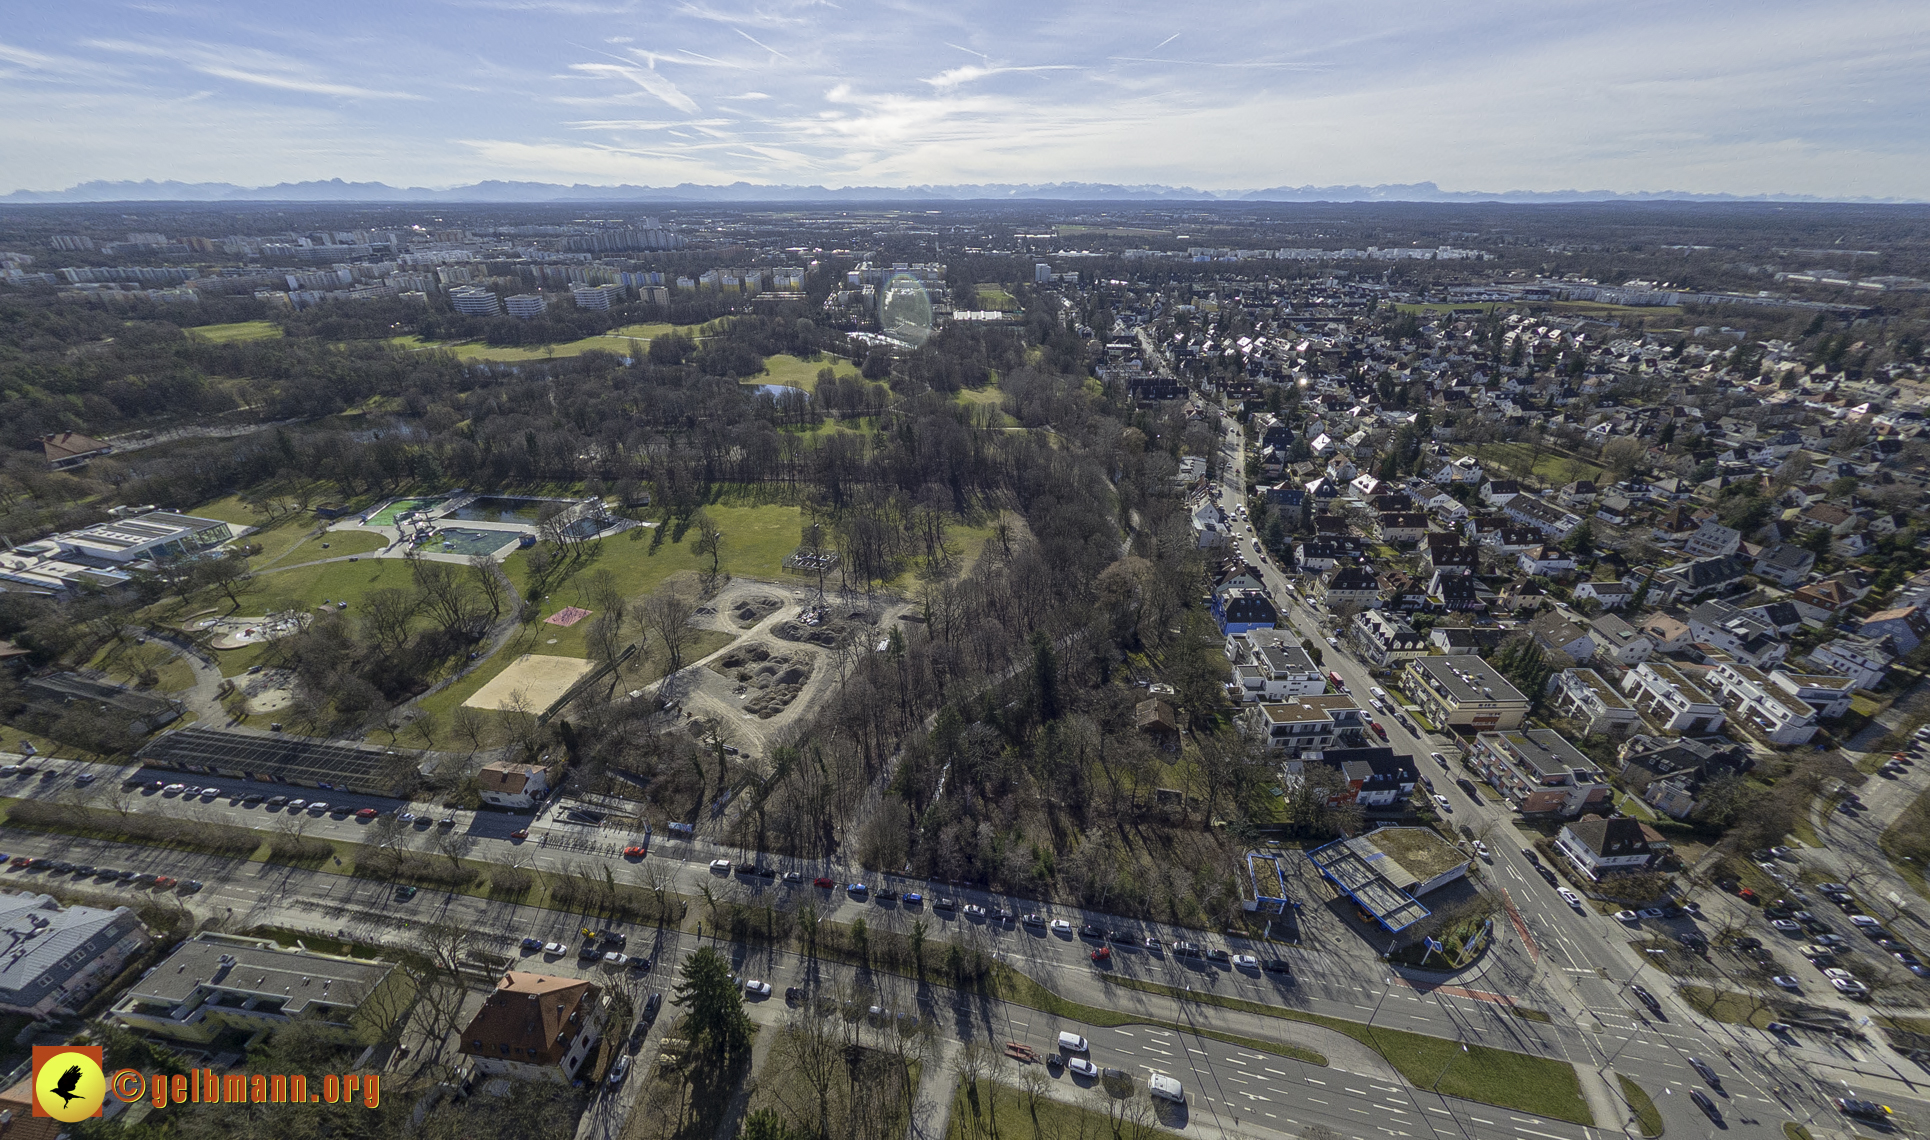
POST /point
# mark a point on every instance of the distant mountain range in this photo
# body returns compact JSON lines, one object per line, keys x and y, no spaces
{"x":336,"y":190}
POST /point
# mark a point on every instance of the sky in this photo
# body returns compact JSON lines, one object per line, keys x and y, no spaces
{"x":1831,"y":100}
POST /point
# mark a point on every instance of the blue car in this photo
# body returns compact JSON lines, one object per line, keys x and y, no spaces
{"x":857,"y":888}
{"x":913,"y":898}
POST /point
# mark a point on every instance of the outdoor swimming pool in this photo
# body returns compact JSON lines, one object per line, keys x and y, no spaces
{"x":501,"y":508}
{"x":387,"y":515}
{"x":456,"y":540}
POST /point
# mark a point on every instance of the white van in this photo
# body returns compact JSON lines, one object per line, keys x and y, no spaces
{"x":1380,"y":694}
{"x":1165,"y":1088}
{"x":1072,"y":1043}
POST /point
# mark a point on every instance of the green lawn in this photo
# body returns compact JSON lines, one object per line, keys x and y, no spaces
{"x":792,"y":372}
{"x":626,"y":341}
{"x":239,"y":330}
{"x":757,"y":539}
{"x":1642,"y":1105}
{"x":1549,"y":467}
{"x":992,"y":295}
{"x":1907,"y":843}
{"x":1726,"y":1005}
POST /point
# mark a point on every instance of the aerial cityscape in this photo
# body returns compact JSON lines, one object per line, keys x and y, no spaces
{"x":578,"y":572}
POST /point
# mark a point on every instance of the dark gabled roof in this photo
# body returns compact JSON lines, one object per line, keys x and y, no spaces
{"x":1353,"y":578}
{"x":1611,"y":838}
{"x":1714,"y":571}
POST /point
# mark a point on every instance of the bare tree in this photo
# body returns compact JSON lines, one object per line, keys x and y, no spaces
{"x":667,"y":614}
{"x":490,"y":583}
{"x":709,"y":543}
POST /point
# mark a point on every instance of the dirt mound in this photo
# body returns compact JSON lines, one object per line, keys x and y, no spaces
{"x":768,"y":678}
{"x":828,"y":635}
{"x":749,"y":611}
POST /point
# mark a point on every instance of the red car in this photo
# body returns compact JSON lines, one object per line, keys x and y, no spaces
{"x":1378,"y":730}
{"x":519,"y":833}
{"x":1103,"y":954}
{"x":1745,"y":894}
{"x":366,"y":813}
{"x":821,"y":881}
{"x":163,"y":883}
{"x":1335,"y":678}
{"x":634,"y":852}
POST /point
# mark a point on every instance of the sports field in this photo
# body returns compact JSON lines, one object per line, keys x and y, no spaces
{"x":532,"y":682}
{"x":630,"y":340}
{"x":239,"y":330}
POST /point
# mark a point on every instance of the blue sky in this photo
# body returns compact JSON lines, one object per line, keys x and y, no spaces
{"x":1824,"y":99}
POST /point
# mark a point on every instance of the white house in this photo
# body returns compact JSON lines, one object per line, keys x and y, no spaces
{"x":1620,"y":641}
{"x":1671,"y":699}
{"x":1609,"y":595}
{"x":1778,"y":715}
{"x":512,"y":785}
{"x":1600,"y":847}
{"x":1713,"y":540}
{"x":1267,"y":666}
{"x":1862,"y":659}
{"x":1585,"y":696}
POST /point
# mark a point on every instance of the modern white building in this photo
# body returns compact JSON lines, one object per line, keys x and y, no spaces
{"x":1585,"y":696}
{"x":1539,"y":772}
{"x":1864,"y":660}
{"x":1828,"y":694}
{"x":526,"y":305}
{"x":597,"y":297}
{"x":1672,"y":700}
{"x":1267,"y":666}
{"x":1778,"y":715}
{"x":105,"y":555}
{"x":475,"y":302}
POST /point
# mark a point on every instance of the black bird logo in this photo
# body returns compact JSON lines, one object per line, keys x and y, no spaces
{"x":64,"y":1087}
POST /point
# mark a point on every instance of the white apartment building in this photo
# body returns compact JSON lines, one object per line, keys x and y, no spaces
{"x":1861,"y":659}
{"x":597,"y":297}
{"x":1269,"y":667}
{"x":474,"y":302}
{"x":1754,"y":700}
{"x":1669,"y":698}
{"x":1584,"y":695}
{"x":1828,"y":694}
{"x":526,"y":305}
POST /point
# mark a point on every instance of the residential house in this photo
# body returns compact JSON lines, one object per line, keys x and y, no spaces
{"x":1578,"y":495}
{"x":1865,"y":660}
{"x":1704,"y":576}
{"x":1268,"y":666}
{"x":1451,"y":555}
{"x":1671,"y":699}
{"x":1599,"y":847}
{"x":1827,"y":693}
{"x":1839,"y":521}
{"x":1818,"y":602}
{"x":1499,"y":492}
{"x":58,"y":957}
{"x":1554,"y":523}
{"x":1309,"y":724}
{"x":1609,"y":595}
{"x":1713,"y":540}
{"x":1546,"y":561}
{"x":1615,"y":508}
{"x":1539,"y":773}
{"x":1350,"y":585}
{"x":1374,"y":777}
{"x":535,"y":1027}
{"x":1317,"y":556}
{"x":1455,"y":590}
{"x":1759,"y":703}
{"x":1669,"y":634}
{"x":1463,"y":692}
{"x":1619,"y":641}
{"x":1210,"y":526}
{"x":1237,"y":575}
{"x":1461,"y":642}
{"x":1585,"y":696}
{"x":1509,"y":541}
{"x":1906,"y":626}
{"x":504,"y":784}
{"x":1157,"y":720}
{"x":68,"y":450}
{"x":1365,"y":487}
{"x":1238,"y":611}
{"x":1782,"y":617}
{"x":1746,"y":638}
{"x":1402,"y":527}
{"x":1560,"y":632}
{"x":225,"y":983}
{"x":1785,"y":564}
{"x":1380,"y":638}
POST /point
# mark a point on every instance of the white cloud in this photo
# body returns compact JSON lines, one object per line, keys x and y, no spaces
{"x":645,"y":78}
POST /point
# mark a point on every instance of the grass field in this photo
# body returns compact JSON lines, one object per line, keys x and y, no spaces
{"x":1642,"y":1105}
{"x":992,"y":295}
{"x":310,"y":585}
{"x":794,"y":373}
{"x":626,"y":341}
{"x":126,"y":662}
{"x":756,"y":541}
{"x":240,"y":330}
{"x":1549,"y":467}
{"x":1907,"y":842}
{"x":1726,"y":1005}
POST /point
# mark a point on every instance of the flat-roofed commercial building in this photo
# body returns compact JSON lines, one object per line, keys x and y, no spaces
{"x":1463,"y":692}
{"x":1539,"y":773}
{"x":217,"y":982}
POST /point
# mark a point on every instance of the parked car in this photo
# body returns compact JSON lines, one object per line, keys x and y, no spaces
{"x":760,"y":988}
{"x":720,"y":866}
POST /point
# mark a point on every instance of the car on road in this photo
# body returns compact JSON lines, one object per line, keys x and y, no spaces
{"x":1652,"y":912}
{"x":165,"y":883}
{"x":857,"y":890}
{"x":532,"y":943}
{"x":554,"y":948}
{"x":1532,"y":857}
{"x":1864,"y":921}
{"x":973,"y":910}
{"x":85,"y":778}
{"x":1082,"y":1068}
{"x":277,"y":801}
{"x":1442,"y":802}
{"x":320,"y":807}
{"x":1245,"y":962}
{"x":885,"y":894}
{"x":1073,"y":1043}
{"x":913,"y":898}
{"x":1627,"y":916}
{"x":367,"y":813}
{"x":1276,"y":966}
{"x":1850,"y":987}
{"x":634,"y":851}
{"x":174,"y":788}
{"x":1062,"y":926}
{"x":1708,"y":1074}
{"x":1218,"y":954}
{"x":1165,"y":1088}
{"x":406,"y":816}
{"x":1091,"y":931}
{"x":720,"y":866}
{"x":615,"y":958}
{"x":619,"y":1070}
{"x":1033,"y":920}
{"x":1546,"y":874}
{"x":1703,"y":1102}
{"x":1481,"y":849}
{"x":1440,"y":759}
{"x":1569,"y":897}
{"x":944,"y":902}
{"x":1152,"y":943}
{"x":1000,"y":914}
{"x":446,"y":821}
{"x":795,"y":877}
{"x":1787,"y":982}
{"x":520,"y":833}
{"x":1786,"y":925}
{"x":823,"y":882}
{"x":1863,"y":1109}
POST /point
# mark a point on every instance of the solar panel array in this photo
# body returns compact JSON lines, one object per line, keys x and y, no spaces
{"x":291,"y":759}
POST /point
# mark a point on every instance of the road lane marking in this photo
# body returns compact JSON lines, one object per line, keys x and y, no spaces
{"x":1547,"y":1135}
{"x":1311,"y":1081}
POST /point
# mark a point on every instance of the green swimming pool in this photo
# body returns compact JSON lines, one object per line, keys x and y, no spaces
{"x":386,"y":515}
